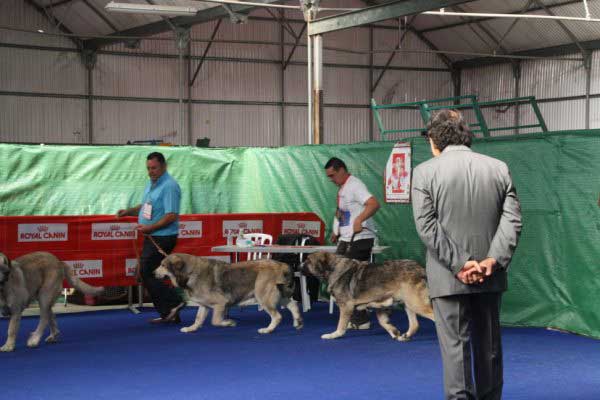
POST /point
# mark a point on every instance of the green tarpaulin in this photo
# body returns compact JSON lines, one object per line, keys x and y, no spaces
{"x":555,"y":274}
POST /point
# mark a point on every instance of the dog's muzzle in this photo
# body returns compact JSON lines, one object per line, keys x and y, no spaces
{"x":160,"y":272}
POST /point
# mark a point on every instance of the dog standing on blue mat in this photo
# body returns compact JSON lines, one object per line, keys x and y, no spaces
{"x":34,"y":276}
{"x":360,"y":285}
{"x":219,"y":285}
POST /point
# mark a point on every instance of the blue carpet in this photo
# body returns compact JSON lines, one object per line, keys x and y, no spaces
{"x":116,"y":355}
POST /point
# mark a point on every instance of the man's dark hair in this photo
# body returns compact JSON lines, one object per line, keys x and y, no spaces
{"x":448,"y":127}
{"x":158,"y":157}
{"x":336,"y":163}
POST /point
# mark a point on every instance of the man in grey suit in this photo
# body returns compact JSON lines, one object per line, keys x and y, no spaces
{"x":468,"y":216}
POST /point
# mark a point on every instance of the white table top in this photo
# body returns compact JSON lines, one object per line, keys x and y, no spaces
{"x":283,"y":249}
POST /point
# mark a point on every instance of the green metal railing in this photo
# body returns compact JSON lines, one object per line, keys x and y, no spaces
{"x":425,"y":107}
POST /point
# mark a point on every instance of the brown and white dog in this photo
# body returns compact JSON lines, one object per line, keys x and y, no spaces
{"x":360,"y":285}
{"x":34,"y":276}
{"x":219,"y":285}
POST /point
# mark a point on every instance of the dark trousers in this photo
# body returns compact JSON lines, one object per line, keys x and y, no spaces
{"x":164,"y":297}
{"x":468,"y":328}
{"x":359,"y":250}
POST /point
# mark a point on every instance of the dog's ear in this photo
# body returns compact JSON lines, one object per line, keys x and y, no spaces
{"x":323,"y":265}
{"x":176,"y":263}
{"x":5,"y":260}
{"x":330,"y":260}
{"x":310,"y":265}
{"x":4,"y":268}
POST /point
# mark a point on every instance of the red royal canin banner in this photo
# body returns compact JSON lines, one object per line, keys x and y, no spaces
{"x":102,"y":249}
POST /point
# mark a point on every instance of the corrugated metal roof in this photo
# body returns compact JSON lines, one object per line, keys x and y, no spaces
{"x":532,"y":34}
{"x":88,"y":17}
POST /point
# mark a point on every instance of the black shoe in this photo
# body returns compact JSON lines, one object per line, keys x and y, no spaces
{"x":172,"y":320}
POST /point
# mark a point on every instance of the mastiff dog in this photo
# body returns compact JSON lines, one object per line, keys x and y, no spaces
{"x":360,"y":285}
{"x":219,"y":285}
{"x":34,"y":276}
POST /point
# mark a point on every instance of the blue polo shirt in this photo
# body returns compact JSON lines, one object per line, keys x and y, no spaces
{"x":164,"y":196}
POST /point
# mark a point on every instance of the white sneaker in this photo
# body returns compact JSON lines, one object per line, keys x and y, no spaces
{"x":362,"y":327}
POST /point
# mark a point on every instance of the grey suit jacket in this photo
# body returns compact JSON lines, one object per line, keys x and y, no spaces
{"x":465,"y":208}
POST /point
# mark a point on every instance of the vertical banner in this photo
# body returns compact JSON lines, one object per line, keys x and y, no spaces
{"x":397,"y":174}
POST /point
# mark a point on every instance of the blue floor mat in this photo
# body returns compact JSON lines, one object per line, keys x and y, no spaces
{"x":116,"y":354}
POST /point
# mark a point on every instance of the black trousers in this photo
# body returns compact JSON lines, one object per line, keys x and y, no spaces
{"x":164,"y":297}
{"x":359,"y":250}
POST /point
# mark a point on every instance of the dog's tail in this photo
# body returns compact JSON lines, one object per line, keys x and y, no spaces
{"x":286,"y":283}
{"x":79,"y":284}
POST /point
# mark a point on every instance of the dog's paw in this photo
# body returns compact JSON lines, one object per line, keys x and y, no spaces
{"x":298,"y":325}
{"x":188,"y":329}
{"x":403,"y":338}
{"x":264,"y":331}
{"x":33,"y":342}
{"x":52,"y":339}
{"x":229,"y":322}
{"x":332,"y":335}
{"x":7,"y":347}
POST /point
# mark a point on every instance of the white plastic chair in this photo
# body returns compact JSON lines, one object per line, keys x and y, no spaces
{"x":303,"y":286}
{"x":258,"y":239}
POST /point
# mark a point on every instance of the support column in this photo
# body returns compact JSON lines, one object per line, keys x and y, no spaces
{"x":88,"y":58}
{"x":309,"y":82}
{"x":282,"y":86}
{"x":370,"y":82}
{"x":182,"y":40}
{"x":310,"y":9}
{"x":587,"y":63}
{"x":189,"y":93}
{"x":317,"y":94}
{"x":516,"y":68}
{"x":456,"y":83}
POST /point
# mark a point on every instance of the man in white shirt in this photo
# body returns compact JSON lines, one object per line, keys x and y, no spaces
{"x":353,"y":228}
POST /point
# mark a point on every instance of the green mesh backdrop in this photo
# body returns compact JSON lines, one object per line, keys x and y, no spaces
{"x":555,"y":274}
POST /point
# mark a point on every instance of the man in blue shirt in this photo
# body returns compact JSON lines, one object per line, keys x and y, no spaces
{"x":158,"y":217}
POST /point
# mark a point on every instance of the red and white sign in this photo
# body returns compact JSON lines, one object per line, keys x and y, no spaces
{"x":190,"y":229}
{"x":86,"y":268}
{"x":130,"y":266}
{"x":312,"y":228}
{"x":103,"y":256}
{"x":114,"y":231}
{"x":236,"y":228}
{"x":396,"y":179}
{"x":43,"y":232}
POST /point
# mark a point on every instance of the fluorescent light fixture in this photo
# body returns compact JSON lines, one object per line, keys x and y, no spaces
{"x":512,"y":16}
{"x":40,"y":30}
{"x":150,"y":9}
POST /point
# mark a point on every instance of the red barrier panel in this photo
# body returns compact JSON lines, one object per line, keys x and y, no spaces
{"x":102,"y":250}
